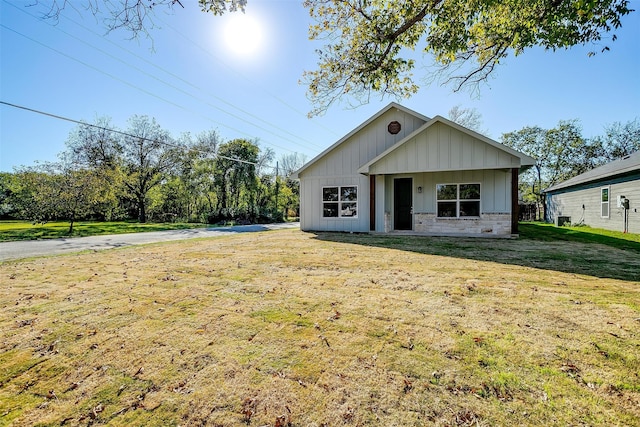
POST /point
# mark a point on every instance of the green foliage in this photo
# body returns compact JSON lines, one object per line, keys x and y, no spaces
{"x":561,"y":153}
{"x":621,"y":139}
{"x":58,"y":190}
{"x":367,"y":41}
{"x":137,"y":17}
{"x":235,"y":178}
{"x":9,"y":202}
{"x":148,"y":153}
{"x":218,"y":7}
{"x":143,"y":172}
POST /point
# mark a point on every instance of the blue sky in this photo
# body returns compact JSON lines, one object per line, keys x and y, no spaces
{"x":191,"y":80}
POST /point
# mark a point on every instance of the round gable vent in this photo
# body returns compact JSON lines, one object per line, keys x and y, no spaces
{"x":394,"y":127}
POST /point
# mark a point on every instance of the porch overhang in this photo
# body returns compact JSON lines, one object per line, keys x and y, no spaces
{"x":441,"y":145}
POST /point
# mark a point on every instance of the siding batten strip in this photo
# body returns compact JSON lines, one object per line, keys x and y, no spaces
{"x":372,"y":202}
{"x":514,"y":200}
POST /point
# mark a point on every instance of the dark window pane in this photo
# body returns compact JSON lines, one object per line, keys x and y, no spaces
{"x":349,"y":194}
{"x":447,"y":209}
{"x":330,"y":210}
{"x":469,"y":208}
{"x":330,"y":194}
{"x":605,"y":194}
{"x":469,"y":191}
{"x":349,"y":209}
{"x":447,"y":192}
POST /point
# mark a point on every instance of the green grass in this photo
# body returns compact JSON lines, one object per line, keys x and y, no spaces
{"x":579,"y":250}
{"x":23,"y":230}
{"x":550,"y":233}
{"x":307,"y":329}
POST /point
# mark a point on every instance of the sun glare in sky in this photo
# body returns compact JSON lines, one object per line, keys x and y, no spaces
{"x":243,"y":35}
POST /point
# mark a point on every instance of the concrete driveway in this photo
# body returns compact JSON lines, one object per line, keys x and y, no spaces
{"x":32,"y":248}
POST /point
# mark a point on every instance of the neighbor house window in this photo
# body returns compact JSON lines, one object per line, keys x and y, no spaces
{"x":458,"y":200}
{"x":604,"y":202}
{"x":340,"y":202}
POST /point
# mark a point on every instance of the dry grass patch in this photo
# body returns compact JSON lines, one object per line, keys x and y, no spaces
{"x":295,"y":329}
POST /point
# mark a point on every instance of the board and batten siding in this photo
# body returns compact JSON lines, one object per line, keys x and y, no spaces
{"x":311,"y":205}
{"x":568,"y":202}
{"x":339,"y":166}
{"x":443,"y":148}
{"x":347,"y":157}
{"x":495,"y":191}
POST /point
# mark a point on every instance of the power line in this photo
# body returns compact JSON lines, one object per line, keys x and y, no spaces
{"x":169,"y":144}
{"x":283,"y":102}
{"x":131,"y":85}
{"x":297,"y":141}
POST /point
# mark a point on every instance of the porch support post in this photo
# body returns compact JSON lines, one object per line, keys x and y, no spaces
{"x":372,"y":202}
{"x":514,"y":200}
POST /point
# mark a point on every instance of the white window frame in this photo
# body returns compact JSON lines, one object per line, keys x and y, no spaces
{"x":340,"y":202}
{"x":607,"y":203}
{"x":457,"y":200}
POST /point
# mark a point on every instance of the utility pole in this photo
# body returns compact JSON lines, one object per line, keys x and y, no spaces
{"x":277,"y":187}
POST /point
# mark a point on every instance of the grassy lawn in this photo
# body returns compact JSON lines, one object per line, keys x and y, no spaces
{"x":287,"y":328}
{"x":551,"y":233}
{"x":23,"y":230}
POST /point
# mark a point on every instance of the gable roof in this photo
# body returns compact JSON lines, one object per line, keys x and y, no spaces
{"x":524,"y":159}
{"x":627,"y":164}
{"x":364,"y":124}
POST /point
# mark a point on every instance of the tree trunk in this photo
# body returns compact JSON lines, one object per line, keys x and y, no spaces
{"x":542,"y":209}
{"x":223,"y":198}
{"x":71,"y":226}
{"x":142,"y":211}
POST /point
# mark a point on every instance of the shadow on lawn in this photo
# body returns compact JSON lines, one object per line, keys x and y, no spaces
{"x":548,"y":248}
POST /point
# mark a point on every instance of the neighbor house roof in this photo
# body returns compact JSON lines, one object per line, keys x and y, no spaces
{"x":627,"y":164}
{"x":524,"y":159}
{"x":391,"y":105}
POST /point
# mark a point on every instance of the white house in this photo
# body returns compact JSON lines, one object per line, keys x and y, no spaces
{"x":597,"y":197}
{"x":400,"y":171}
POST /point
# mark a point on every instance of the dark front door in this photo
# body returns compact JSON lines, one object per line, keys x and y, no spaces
{"x":403,"y":204}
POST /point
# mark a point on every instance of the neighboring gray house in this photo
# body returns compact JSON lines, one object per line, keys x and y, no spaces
{"x":402,"y":171}
{"x":595,"y":197}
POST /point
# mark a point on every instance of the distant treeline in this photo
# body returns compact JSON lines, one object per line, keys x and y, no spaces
{"x":143,"y":173}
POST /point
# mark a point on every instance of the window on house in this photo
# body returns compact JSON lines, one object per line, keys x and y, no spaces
{"x":340,"y":202}
{"x":458,"y":200}
{"x":604,"y":202}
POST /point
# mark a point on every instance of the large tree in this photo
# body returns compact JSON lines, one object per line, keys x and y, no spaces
{"x":289,"y":163}
{"x":97,"y":147}
{"x":136,"y":160}
{"x":470,"y":118}
{"x":136,"y":16}
{"x":369,"y":42}
{"x":8,"y":196}
{"x":621,"y":139}
{"x":235,"y":177}
{"x":59,"y":190}
{"x":561,"y":153}
{"x":148,"y":153}
{"x":188,"y":193}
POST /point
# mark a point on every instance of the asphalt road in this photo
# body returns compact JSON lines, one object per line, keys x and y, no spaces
{"x":33,"y":248}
